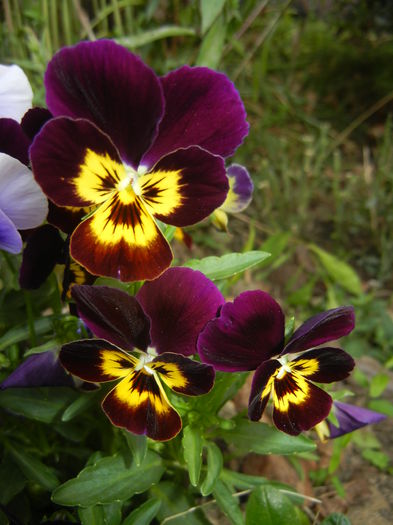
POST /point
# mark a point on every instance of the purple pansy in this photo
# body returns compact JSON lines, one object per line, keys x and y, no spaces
{"x":350,"y":418}
{"x":130,"y":146}
{"x":145,"y":341}
{"x":249,"y":332}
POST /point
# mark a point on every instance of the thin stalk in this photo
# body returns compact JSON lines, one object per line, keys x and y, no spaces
{"x":30,"y":318}
{"x":46,"y":20}
{"x":67,"y":24}
{"x":54,"y":22}
{"x":117,"y":17}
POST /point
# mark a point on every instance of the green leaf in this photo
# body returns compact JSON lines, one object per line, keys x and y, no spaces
{"x":92,"y":515}
{"x":109,"y":480}
{"x":378,"y":384}
{"x":42,"y":404}
{"x":339,"y":271}
{"x":144,"y":514}
{"x":80,"y":405}
{"x":212,"y":46}
{"x":228,"y":503}
{"x":214,"y":467}
{"x":225,"y":387}
{"x":147,"y":37}
{"x":249,"y":436}
{"x":246,"y":481}
{"x":33,"y":468}
{"x":12,"y":481}
{"x":275,"y":245}
{"x":381,"y":405}
{"x":138,"y":446}
{"x":227,"y":265}
{"x":209,"y":12}
{"x":22,"y":333}
{"x":192,"y":447}
{"x":269,"y":506}
{"x":376,"y":457}
{"x":336,"y":519}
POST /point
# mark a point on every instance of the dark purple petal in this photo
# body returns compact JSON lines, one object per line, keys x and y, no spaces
{"x":113,"y":315}
{"x":202,"y":108}
{"x":33,"y":120}
{"x":106,"y":84}
{"x":10,"y":239}
{"x":248,"y":331}
{"x":321,"y":328}
{"x":38,"y":370}
{"x":261,"y":388}
{"x":179,"y":304}
{"x":13,"y":140}
{"x":351,"y":417}
{"x":64,"y":217}
{"x":324,"y":365}
{"x":44,"y":249}
{"x":240,"y":189}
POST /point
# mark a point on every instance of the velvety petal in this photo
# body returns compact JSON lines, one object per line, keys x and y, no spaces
{"x":321,"y":328}
{"x":16,"y":94}
{"x":44,"y":249}
{"x":66,"y":218}
{"x":106,"y":84}
{"x":179,"y":304}
{"x":21,"y":199}
{"x":324,"y":365}
{"x":113,"y":315}
{"x":33,"y":120}
{"x":74,"y":274}
{"x":183,"y":375}
{"x":298,"y":404}
{"x":248,"y":331}
{"x":96,"y":360}
{"x":240,"y":189}
{"x":261,"y":388}
{"x":13,"y":140}
{"x":185,"y":186}
{"x":10,"y":239}
{"x":121,"y":240}
{"x":351,"y":417}
{"x":75,"y":163}
{"x":139,"y":404}
{"x":38,"y":370}
{"x":202,"y":108}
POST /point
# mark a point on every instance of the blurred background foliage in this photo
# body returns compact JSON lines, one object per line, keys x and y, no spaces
{"x":316,"y":78}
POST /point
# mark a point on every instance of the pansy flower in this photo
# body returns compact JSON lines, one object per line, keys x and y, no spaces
{"x":16,"y":94}
{"x":132,"y":146}
{"x":145,"y":342}
{"x":249,"y":335}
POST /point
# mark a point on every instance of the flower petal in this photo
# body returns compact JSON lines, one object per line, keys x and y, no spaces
{"x":13,"y":140}
{"x":75,"y":163}
{"x":351,"y":417}
{"x":66,"y":218}
{"x":298,"y":404}
{"x":33,"y":121}
{"x":96,"y":360}
{"x":106,"y":84}
{"x":183,"y":375}
{"x":44,"y":249}
{"x":10,"y":239}
{"x":21,"y":199}
{"x":16,"y":94}
{"x":121,"y":241}
{"x":248,"y":331}
{"x":139,"y":404}
{"x":179,"y":304}
{"x":261,"y":388}
{"x":202,"y":108}
{"x":113,"y":315}
{"x":324,"y":365}
{"x":74,"y":274}
{"x":321,"y":328}
{"x":38,"y":370}
{"x":185,"y":186}
{"x":240,"y":189}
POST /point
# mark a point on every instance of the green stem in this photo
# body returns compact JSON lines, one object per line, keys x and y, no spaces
{"x":30,"y":318}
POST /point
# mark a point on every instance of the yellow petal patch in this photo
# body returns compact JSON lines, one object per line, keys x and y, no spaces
{"x":171,"y":374}
{"x":305,"y":367}
{"x":116,"y":363}
{"x":161,"y":191}
{"x":98,"y":177}
{"x":290,"y":388}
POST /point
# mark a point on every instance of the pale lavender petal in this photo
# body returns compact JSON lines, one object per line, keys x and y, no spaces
{"x":21,"y":199}
{"x":351,"y":417}
{"x":240,"y":189}
{"x":10,"y":239}
{"x":16,"y":94}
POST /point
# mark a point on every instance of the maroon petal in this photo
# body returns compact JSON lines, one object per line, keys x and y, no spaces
{"x":44,"y":249}
{"x":13,"y":140}
{"x":112,"y":314}
{"x":106,"y":84}
{"x":248,"y":331}
{"x":185,"y":186}
{"x":324,"y":365}
{"x":261,"y":388}
{"x":179,"y":304}
{"x":321,"y":328}
{"x":202,"y":108}
{"x":351,"y":417}
{"x":33,"y":120}
{"x":65,"y":218}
